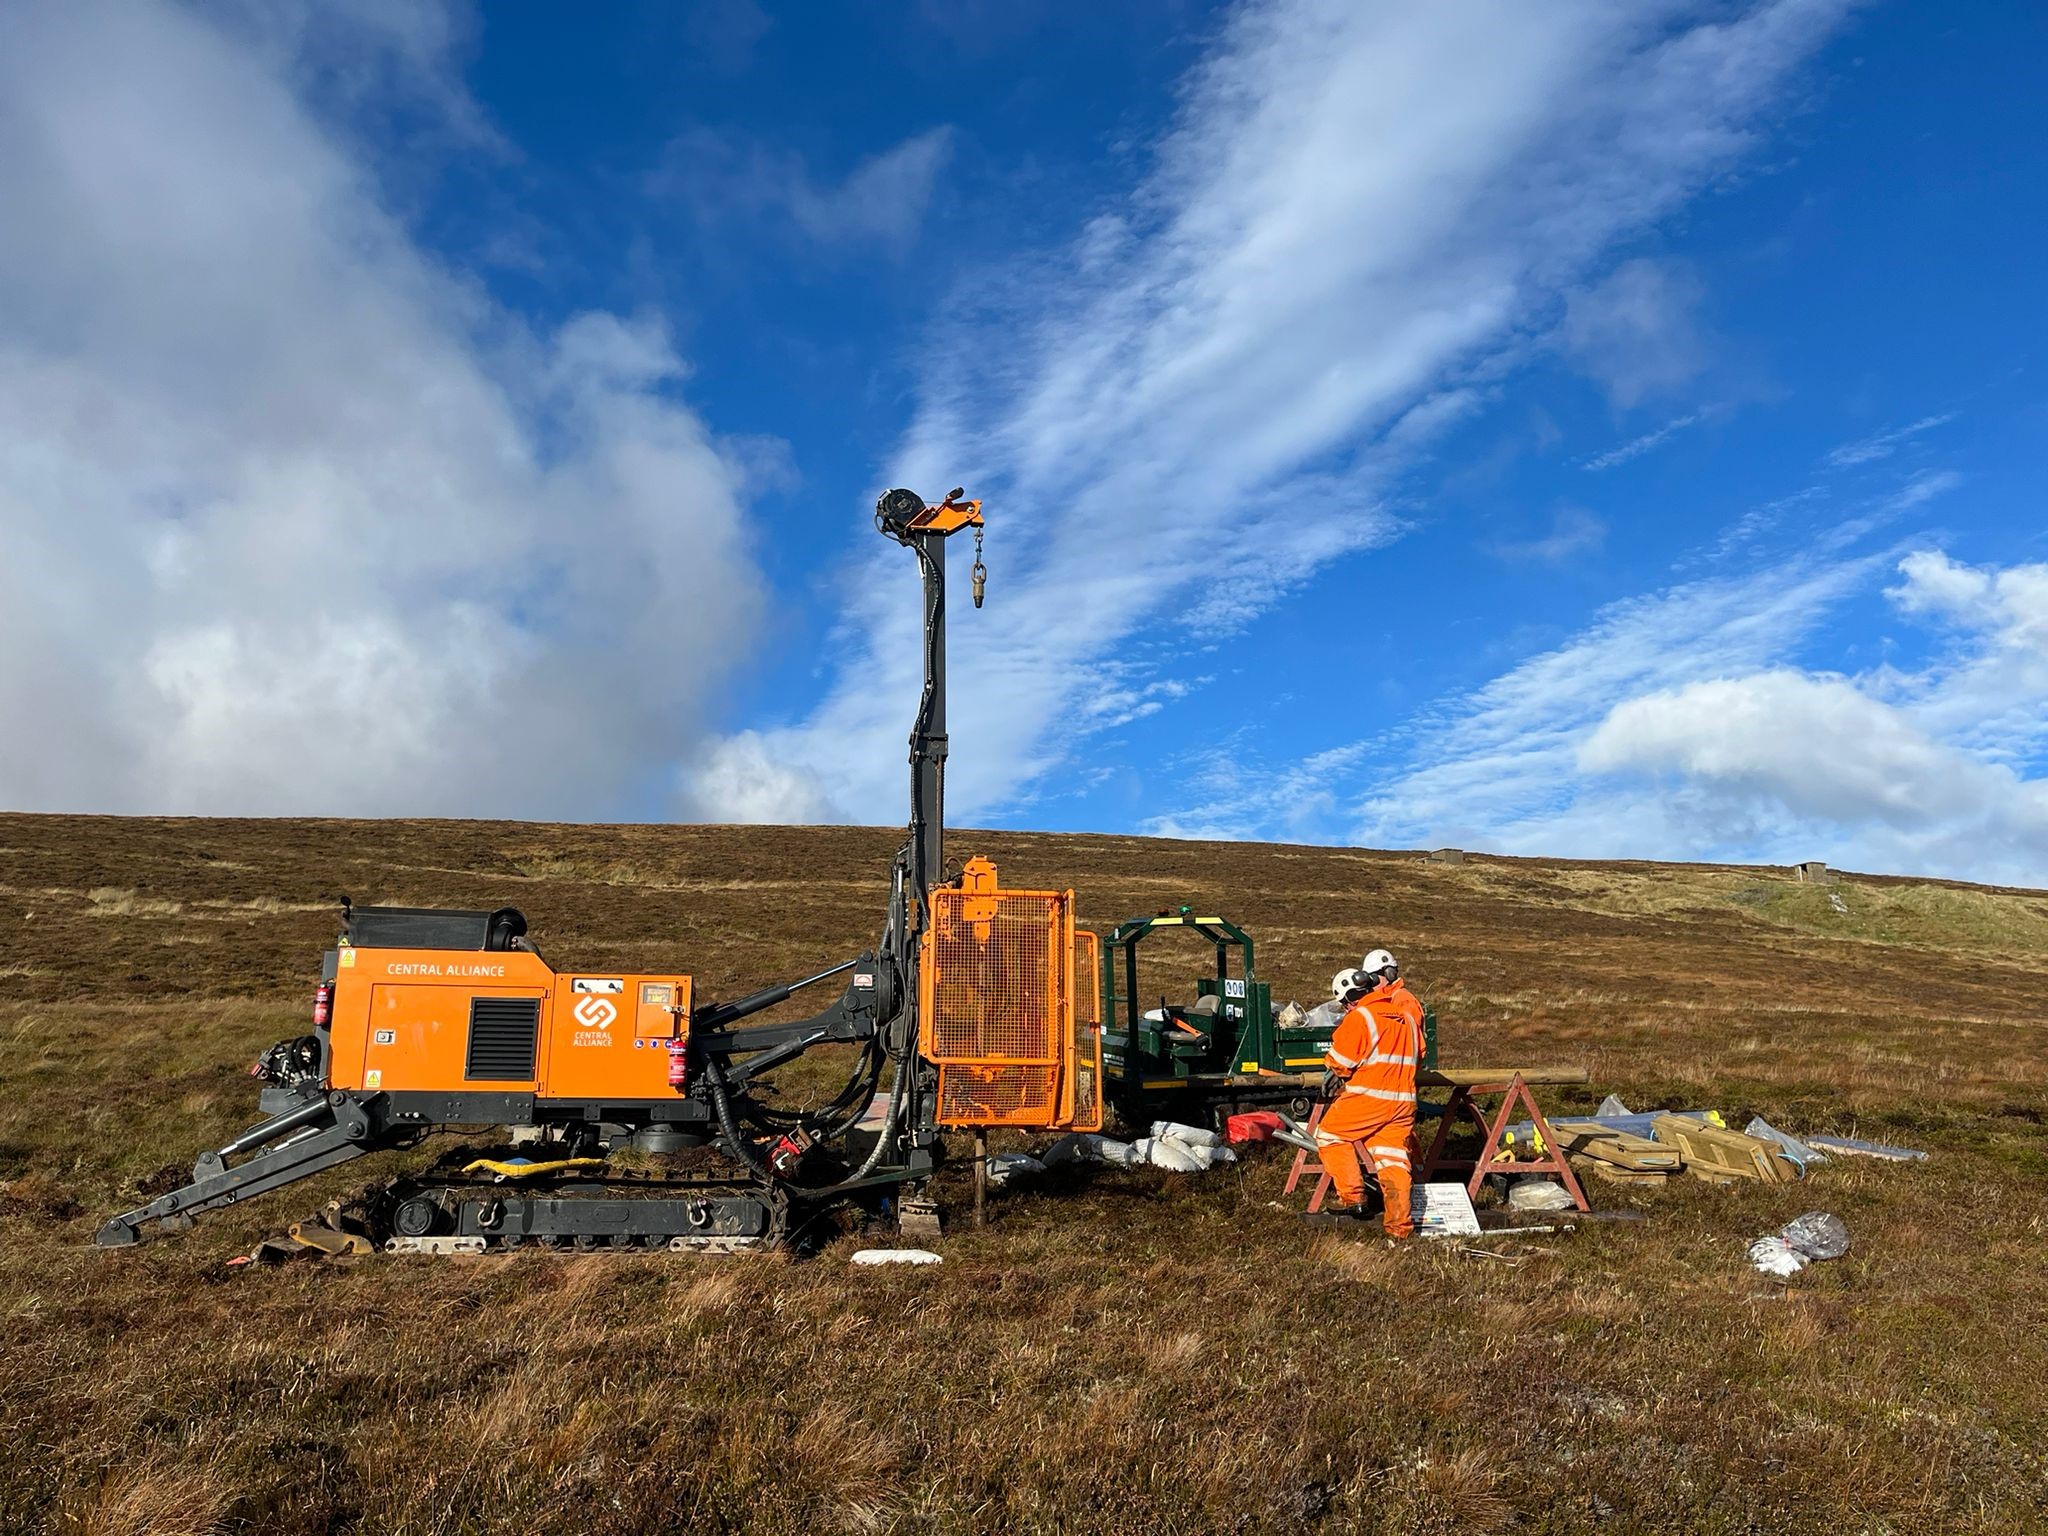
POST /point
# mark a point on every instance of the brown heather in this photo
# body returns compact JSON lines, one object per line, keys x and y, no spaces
{"x":1127,"y":1352}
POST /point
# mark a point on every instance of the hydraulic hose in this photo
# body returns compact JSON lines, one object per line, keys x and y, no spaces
{"x":742,"y":1148}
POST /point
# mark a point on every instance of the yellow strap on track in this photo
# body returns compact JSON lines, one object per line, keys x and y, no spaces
{"x":531,"y":1170}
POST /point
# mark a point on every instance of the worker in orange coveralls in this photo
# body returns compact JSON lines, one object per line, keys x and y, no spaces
{"x":1372,"y":1060}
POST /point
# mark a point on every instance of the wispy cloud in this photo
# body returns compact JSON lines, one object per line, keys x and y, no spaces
{"x":1882,"y":445}
{"x":1573,"y":532}
{"x":1634,"y":332}
{"x":1216,"y":377}
{"x":727,"y":181}
{"x":1635,"y":448}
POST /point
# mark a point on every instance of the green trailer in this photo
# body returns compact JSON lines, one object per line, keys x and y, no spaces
{"x":1218,"y":1054}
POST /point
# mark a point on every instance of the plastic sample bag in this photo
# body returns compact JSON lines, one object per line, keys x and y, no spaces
{"x":1797,"y":1150}
{"x":1856,"y":1148}
{"x":1324,"y":1016}
{"x":1816,"y":1236}
{"x":1532,"y":1194}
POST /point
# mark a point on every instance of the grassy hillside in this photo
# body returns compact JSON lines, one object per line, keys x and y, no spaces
{"x":1128,"y":1352}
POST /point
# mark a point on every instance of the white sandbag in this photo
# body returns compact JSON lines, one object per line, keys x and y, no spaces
{"x":1186,"y":1135}
{"x":1086,"y":1147}
{"x":1170,"y":1155}
{"x":871,"y":1256}
{"x":1118,"y":1154}
{"x":1175,"y":1158}
{"x":1006,"y":1166}
{"x":1208,"y":1157}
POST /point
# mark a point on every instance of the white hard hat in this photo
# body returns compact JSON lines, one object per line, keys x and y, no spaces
{"x":1376,"y":961}
{"x":1346,"y":982}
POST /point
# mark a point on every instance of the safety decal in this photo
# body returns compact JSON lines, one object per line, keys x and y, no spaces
{"x":658,"y":994}
{"x":387,"y":1037}
{"x":605,"y":984}
{"x":373,"y":1079}
{"x":348,"y":956}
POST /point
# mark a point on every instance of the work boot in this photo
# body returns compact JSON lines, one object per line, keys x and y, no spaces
{"x":1336,"y":1213}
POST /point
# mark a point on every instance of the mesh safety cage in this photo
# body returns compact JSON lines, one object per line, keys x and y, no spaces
{"x":999,"y":981}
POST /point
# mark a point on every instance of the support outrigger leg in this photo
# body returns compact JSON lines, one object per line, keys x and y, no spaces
{"x":333,"y":1128}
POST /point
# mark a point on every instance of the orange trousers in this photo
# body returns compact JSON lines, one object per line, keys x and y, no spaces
{"x":1352,"y":1121}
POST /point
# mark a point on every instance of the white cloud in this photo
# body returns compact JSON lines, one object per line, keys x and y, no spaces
{"x":737,"y":780}
{"x":295,"y":520}
{"x":1816,"y":745}
{"x":1634,"y":332}
{"x":1359,"y":212}
{"x":1635,"y":448}
{"x":727,"y":180}
{"x":1882,"y":445}
{"x":2011,"y":604}
{"x":1676,"y":728}
{"x":1990,"y":692}
{"x":1500,"y":768}
{"x":1573,"y":532}
{"x":1852,"y":774}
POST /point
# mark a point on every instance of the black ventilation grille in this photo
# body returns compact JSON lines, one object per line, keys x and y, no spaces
{"x":504,"y":1033}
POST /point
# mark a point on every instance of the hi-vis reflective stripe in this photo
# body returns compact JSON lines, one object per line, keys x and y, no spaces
{"x":1388,"y":1155}
{"x":1327,"y":1138}
{"x":1341,"y":1059}
{"x":1382,"y":1093}
{"x":1389,"y":1058}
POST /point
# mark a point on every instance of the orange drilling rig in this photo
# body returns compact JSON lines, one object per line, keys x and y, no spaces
{"x":977,"y":1007}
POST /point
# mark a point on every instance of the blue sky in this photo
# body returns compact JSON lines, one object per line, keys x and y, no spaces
{"x":1580,"y":429}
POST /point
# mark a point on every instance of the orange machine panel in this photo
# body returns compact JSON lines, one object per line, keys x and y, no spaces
{"x":996,"y":1005}
{"x":402,"y":1016}
{"x":608,"y":1036}
{"x":454,"y":1020}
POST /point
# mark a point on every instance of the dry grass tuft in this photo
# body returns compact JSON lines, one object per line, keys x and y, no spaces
{"x":141,"y":1500}
{"x":1461,"y":1493}
{"x":109,"y":901}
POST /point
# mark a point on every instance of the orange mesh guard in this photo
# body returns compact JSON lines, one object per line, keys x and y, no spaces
{"x":1087,"y":1112}
{"x":997,"y":994}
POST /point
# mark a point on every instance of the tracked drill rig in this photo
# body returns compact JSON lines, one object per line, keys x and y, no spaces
{"x":976,"y":1008}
